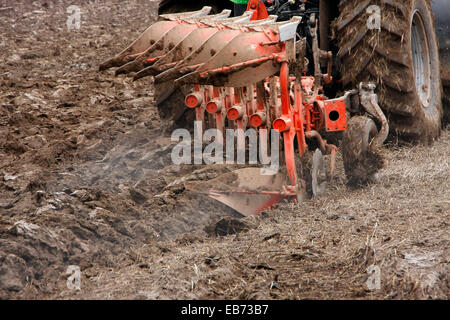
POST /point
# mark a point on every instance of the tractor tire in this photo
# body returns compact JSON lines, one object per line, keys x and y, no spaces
{"x":408,"y":83}
{"x":361,"y":161}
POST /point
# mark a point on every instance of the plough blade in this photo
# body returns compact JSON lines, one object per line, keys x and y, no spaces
{"x":178,"y":46}
{"x":158,"y":49}
{"x":150,"y":36}
{"x":225,"y":58}
{"x":168,"y":41}
{"x":180,"y":55}
{"x":228,"y":67}
{"x":190,"y":44}
{"x":167,"y":31}
{"x":247,"y":191}
{"x":216,"y":42}
{"x":199,"y":37}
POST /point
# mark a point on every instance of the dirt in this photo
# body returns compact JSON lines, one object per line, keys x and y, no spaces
{"x":86,"y":179}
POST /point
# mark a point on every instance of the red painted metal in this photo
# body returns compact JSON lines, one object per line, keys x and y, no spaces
{"x":258,"y":8}
{"x":194,"y":100}
{"x":257,"y":119}
{"x":236,"y":113}
{"x":336,"y":117}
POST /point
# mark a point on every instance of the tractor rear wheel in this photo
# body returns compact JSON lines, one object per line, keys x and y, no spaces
{"x":401,"y":57}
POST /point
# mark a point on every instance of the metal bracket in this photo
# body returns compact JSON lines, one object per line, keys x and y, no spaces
{"x":369,"y":101}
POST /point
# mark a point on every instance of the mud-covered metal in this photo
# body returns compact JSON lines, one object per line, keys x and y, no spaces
{"x":319,"y":174}
{"x":369,"y":101}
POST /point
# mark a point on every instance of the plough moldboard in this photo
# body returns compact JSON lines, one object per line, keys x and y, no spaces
{"x":247,"y":73}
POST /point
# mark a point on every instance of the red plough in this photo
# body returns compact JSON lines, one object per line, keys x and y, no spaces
{"x":247,"y":72}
